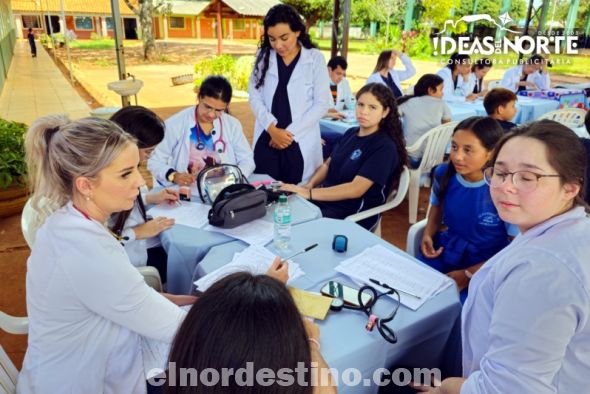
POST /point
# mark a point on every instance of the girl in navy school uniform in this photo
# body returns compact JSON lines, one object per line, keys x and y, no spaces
{"x":463,"y":228}
{"x":365,"y":165}
{"x":289,"y":93}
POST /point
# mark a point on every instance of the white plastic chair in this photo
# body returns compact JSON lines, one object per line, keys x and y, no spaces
{"x":570,"y":117}
{"x":30,"y":223}
{"x":435,"y":142}
{"x":8,"y":372}
{"x":393,"y":200}
{"x":494,"y":84}
{"x":414,"y":240}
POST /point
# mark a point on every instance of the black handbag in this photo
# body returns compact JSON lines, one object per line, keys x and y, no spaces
{"x":237,"y":204}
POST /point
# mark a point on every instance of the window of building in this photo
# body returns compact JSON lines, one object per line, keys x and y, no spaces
{"x":239,"y":24}
{"x":109,"y":22}
{"x":177,"y":22}
{"x":83,"y":23}
{"x":31,"y":21}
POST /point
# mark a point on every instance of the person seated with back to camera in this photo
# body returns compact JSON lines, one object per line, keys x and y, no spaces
{"x":500,"y":104}
{"x":259,"y":323}
{"x":427,"y":99}
{"x":200,"y":136}
{"x":365,"y":165}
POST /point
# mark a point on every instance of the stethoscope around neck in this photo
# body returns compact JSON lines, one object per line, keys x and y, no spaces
{"x":219,"y":145}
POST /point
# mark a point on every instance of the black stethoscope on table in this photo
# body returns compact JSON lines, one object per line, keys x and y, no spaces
{"x":374,"y":320}
{"x":219,"y":145}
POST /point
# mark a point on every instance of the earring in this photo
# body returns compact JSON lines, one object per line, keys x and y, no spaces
{"x":88,"y":198}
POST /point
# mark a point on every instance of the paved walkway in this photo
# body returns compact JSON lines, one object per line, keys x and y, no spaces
{"x":36,"y":87}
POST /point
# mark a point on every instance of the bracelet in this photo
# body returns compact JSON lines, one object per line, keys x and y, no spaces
{"x":310,"y":198}
{"x":315,"y":341}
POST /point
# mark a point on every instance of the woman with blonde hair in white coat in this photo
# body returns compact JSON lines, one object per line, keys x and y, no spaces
{"x":386,"y":75}
{"x":289,"y":93}
{"x":200,"y":136}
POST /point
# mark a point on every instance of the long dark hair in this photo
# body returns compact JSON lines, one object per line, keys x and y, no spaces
{"x":487,"y":130}
{"x":565,"y":152}
{"x":382,"y":61}
{"x":148,"y":129}
{"x":457,"y":58}
{"x":424,"y":84}
{"x":280,"y":13}
{"x":242,"y":318}
{"x":391,"y":125}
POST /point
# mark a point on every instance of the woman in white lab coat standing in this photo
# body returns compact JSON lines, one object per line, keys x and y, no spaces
{"x":87,"y":305}
{"x":386,"y":75}
{"x":201,"y":135}
{"x":289,"y":92}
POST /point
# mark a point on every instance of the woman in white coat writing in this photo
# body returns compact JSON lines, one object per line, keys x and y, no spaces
{"x":457,"y":86}
{"x":87,"y":305}
{"x":200,"y":136}
{"x":386,"y":75}
{"x":532,"y":75}
{"x":289,"y":93}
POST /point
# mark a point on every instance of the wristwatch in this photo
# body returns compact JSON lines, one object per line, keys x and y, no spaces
{"x":171,"y":176}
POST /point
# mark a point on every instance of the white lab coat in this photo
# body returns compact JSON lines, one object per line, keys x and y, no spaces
{"x":344,"y":96}
{"x":309,"y":100}
{"x":136,"y":248}
{"x":173,"y":151}
{"x":87,"y":308}
{"x":512,"y":77}
{"x":464,"y":88}
{"x":397,"y":75}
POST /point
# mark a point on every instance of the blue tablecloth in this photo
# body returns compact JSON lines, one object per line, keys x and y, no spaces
{"x":528,"y":109}
{"x":186,"y":246}
{"x":427,"y":338}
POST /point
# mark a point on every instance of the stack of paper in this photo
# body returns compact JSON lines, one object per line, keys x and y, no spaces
{"x":256,"y":232}
{"x":397,"y":271}
{"x":187,"y":213}
{"x":254,"y":259}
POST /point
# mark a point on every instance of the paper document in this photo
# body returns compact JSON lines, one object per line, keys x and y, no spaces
{"x":311,"y":304}
{"x":254,"y":259}
{"x":256,"y":232}
{"x":188,"y":213}
{"x":400,"y":272}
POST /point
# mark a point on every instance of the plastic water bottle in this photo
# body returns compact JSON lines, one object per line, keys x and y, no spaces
{"x":282,"y":221}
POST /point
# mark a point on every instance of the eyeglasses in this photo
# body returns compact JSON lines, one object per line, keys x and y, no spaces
{"x":524,"y":181}
{"x":207,"y":109}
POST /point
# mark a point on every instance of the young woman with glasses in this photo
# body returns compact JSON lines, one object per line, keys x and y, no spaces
{"x":201,"y":135}
{"x":526,"y":322}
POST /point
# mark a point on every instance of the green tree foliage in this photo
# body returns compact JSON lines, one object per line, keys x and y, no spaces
{"x":313,"y":10}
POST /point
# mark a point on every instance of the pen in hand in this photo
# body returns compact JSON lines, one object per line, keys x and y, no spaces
{"x":310,"y":247}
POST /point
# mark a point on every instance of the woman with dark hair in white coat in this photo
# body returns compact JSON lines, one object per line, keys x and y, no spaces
{"x":289,"y":93}
{"x":200,"y":136}
{"x":386,"y":75}
{"x":530,"y":75}
{"x":458,"y":87}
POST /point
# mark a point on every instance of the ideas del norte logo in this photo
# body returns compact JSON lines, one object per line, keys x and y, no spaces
{"x":526,"y":45}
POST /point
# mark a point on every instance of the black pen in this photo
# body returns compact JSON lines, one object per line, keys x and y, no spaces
{"x":386,"y":286}
{"x":310,"y":247}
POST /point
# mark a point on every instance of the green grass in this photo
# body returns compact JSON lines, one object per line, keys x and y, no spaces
{"x":105,"y":43}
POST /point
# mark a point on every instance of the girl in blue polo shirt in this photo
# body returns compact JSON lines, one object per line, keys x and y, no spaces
{"x":463,"y":228}
{"x":366,"y":163}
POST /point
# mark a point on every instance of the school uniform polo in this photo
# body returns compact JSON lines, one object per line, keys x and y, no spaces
{"x":373,"y":157}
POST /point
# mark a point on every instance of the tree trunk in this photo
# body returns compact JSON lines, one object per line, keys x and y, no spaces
{"x":146,"y":10}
